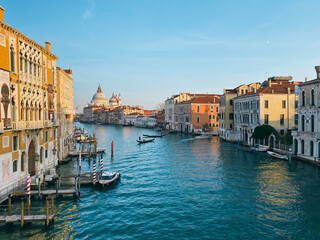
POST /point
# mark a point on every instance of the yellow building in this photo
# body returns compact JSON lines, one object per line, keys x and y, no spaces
{"x":28,"y":106}
{"x":272,"y":104}
{"x":227,"y":109}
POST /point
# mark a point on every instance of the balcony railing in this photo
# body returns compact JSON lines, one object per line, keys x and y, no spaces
{"x":34,"y":124}
{"x":19,"y":125}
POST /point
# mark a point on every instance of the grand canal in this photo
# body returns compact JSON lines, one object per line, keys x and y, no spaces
{"x":177,"y":188}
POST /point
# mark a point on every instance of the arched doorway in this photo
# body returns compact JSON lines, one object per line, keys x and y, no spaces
{"x":295,"y":147}
{"x":271,"y":141}
{"x":31,"y":158}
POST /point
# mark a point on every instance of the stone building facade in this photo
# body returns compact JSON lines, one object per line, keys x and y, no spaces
{"x":28,"y":99}
{"x":66,"y":112}
{"x":306,"y":140}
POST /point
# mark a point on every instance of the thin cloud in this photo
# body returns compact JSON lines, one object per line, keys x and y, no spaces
{"x":89,"y":11}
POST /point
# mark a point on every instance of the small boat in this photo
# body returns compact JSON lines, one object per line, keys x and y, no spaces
{"x":109,"y":178}
{"x":145,"y":140}
{"x":203,"y":136}
{"x":153,"y":136}
{"x":277,"y":155}
{"x":260,"y":148}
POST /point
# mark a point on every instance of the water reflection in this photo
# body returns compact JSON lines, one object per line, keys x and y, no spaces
{"x":199,"y":189}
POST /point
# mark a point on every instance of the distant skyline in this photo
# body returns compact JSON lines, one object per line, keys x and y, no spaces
{"x":148,"y":50}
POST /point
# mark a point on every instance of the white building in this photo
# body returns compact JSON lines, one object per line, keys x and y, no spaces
{"x":306,"y":140}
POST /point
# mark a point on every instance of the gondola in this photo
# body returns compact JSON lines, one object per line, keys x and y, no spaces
{"x":152,"y":136}
{"x":145,"y":140}
{"x":277,"y":155}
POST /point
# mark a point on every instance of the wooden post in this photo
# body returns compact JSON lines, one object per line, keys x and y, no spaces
{"x":28,"y":206}
{"x":52,"y":205}
{"x":79,"y":185}
{"x":9,"y":206}
{"x":22,"y":209}
{"x":112,"y":148}
{"x":59,"y":181}
{"x":39,"y":188}
{"x":76,"y":185}
{"x":47,"y":213}
{"x":89,"y":153}
{"x":57,"y":187}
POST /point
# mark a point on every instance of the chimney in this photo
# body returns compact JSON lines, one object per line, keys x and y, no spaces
{"x":306,"y":79}
{"x":289,"y":90}
{"x":318,"y":71}
{"x":48,"y":46}
{"x":272,"y":91}
{"x":1,"y":14}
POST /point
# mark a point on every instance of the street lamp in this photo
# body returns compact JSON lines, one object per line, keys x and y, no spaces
{"x":290,"y":151}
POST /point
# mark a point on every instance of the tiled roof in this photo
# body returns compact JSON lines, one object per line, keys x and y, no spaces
{"x":203,"y":100}
{"x":273,"y":89}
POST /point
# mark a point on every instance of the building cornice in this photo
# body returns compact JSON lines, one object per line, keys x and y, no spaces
{"x":315,"y":81}
{"x":27,"y":39}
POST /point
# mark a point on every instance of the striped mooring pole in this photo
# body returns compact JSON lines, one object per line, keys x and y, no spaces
{"x":80,"y":159}
{"x":94,"y":174}
{"x":28,"y":185}
{"x":101,"y":165}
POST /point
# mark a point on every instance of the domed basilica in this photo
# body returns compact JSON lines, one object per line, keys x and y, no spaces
{"x":100,"y":100}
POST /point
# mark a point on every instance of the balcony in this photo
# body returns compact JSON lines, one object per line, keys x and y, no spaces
{"x":34,"y":124}
{"x":19,"y":125}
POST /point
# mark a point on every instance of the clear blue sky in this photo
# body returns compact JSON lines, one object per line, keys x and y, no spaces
{"x":148,"y":50}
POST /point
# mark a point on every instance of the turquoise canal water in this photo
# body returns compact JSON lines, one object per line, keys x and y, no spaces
{"x":176,"y":188}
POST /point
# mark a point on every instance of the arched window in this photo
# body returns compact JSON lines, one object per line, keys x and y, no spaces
{"x":312,"y":123}
{"x":25,"y":64}
{"x":303,"y":98}
{"x":312,"y":96}
{"x":35,"y":68}
{"x":302,"y":146}
{"x":30,"y":66}
{"x":311,"y":148}
{"x":21,"y":62}
{"x":21,"y":111}
{"x":12,"y":67}
{"x":302,"y":123}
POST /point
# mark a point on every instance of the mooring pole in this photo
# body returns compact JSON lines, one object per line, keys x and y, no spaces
{"x":79,"y":185}
{"x":9,"y":205}
{"x":112,"y":148}
{"x":47,"y":213}
{"x":76,"y":185}
{"x":22,"y":209}
{"x":52,"y":205}
{"x":28,"y":206}
{"x":290,"y":155}
{"x":57,"y":187}
{"x":39,"y":188}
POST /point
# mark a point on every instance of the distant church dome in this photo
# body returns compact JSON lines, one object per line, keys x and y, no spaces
{"x":99,"y":99}
{"x":115,"y":101}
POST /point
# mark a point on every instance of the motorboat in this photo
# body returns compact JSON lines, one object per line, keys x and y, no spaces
{"x":260,"y":148}
{"x":145,"y":140}
{"x":109,"y":178}
{"x":204,"y":136}
{"x":277,"y":155}
{"x":153,"y":136}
